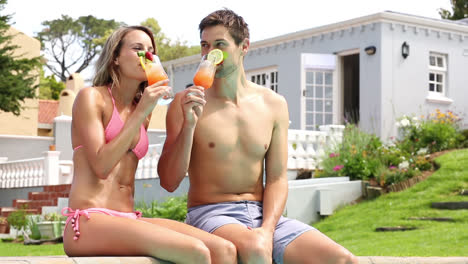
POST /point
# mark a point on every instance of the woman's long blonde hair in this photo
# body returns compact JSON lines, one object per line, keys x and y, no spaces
{"x":107,"y":72}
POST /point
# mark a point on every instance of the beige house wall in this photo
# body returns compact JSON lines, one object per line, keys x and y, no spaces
{"x":26,"y":123}
{"x":158,"y":118}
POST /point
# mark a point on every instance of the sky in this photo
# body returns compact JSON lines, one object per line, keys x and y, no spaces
{"x":179,"y":19}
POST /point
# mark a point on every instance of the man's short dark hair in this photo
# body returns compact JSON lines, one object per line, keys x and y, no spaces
{"x":238,"y":29}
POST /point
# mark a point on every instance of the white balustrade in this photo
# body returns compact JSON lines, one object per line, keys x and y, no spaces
{"x":22,"y":173}
{"x":148,"y":165}
{"x":305,"y":151}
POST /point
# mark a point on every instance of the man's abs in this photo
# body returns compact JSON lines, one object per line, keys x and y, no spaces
{"x":223,"y":183}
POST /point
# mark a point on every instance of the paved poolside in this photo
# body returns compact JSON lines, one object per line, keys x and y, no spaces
{"x":148,"y":260}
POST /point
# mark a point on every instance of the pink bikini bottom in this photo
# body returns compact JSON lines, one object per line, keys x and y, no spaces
{"x":74,"y":216}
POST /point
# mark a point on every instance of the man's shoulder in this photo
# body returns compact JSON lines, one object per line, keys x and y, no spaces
{"x":268,"y":95}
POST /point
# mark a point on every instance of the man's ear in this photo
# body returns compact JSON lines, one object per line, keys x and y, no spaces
{"x":245,"y":45}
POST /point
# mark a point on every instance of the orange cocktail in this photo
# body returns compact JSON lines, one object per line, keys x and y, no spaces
{"x":205,"y":74}
{"x":155,"y":73}
{"x":207,"y":68}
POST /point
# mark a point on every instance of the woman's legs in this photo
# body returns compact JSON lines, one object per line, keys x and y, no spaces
{"x":221,"y":250}
{"x":118,"y":236}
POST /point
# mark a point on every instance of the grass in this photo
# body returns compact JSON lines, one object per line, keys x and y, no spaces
{"x":354,"y":226}
{"x":18,"y":249}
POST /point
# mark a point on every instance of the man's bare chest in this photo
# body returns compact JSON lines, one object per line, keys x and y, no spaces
{"x":229,"y":131}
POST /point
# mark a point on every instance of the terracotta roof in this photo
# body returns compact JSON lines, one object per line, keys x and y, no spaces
{"x":47,"y":111}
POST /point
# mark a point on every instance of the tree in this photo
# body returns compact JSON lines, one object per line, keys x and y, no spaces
{"x":459,"y":10}
{"x":49,"y":87}
{"x":18,"y":74}
{"x":166,"y":49}
{"x":71,"y":45}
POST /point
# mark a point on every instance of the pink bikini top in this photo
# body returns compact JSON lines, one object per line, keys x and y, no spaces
{"x":116,"y":124}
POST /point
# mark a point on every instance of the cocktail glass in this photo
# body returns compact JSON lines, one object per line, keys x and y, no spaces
{"x":205,"y":73}
{"x":155,"y":73}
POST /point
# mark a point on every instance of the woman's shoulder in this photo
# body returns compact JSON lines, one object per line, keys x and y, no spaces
{"x":92,"y":93}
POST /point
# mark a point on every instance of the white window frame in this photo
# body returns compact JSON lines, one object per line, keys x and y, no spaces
{"x":437,"y":88}
{"x":267,"y":77}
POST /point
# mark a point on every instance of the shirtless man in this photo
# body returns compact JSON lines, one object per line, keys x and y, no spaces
{"x":223,"y":137}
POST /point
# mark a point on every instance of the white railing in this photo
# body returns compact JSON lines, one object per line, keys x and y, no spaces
{"x":305,"y":151}
{"x":307,"y":148}
{"x":22,"y":173}
{"x":148,"y":165}
{"x":48,"y":170}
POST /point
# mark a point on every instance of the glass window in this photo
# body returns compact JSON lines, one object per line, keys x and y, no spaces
{"x":319,"y":78}
{"x":328,"y":78}
{"x":329,"y":92}
{"x":437,"y":73}
{"x":318,"y":91}
{"x":267,"y":78}
{"x":309,"y":105}
{"x":328,"y":106}
{"x":318,"y":98}
{"x":319,"y":105}
{"x":309,"y":77}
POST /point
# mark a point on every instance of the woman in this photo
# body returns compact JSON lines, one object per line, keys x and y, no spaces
{"x":109,"y":137}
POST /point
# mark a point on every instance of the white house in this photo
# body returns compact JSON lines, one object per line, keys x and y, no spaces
{"x":370,"y":70}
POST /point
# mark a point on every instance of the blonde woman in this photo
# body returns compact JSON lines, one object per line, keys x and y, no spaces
{"x":109,"y":137}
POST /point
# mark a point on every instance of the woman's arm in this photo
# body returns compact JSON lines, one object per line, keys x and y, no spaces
{"x":88,"y":130}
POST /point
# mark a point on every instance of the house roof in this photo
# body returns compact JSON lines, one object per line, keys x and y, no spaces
{"x":47,"y":111}
{"x":454,"y":27}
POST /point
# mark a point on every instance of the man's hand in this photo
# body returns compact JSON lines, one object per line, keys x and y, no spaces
{"x":192,"y":104}
{"x":267,"y":238}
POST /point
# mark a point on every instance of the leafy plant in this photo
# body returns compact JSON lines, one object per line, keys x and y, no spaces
{"x":54,"y":217}
{"x":174,"y":208}
{"x":17,"y":219}
{"x":33,"y":220}
{"x":436,"y":132}
{"x":356,"y":157}
{"x":3,"y":220}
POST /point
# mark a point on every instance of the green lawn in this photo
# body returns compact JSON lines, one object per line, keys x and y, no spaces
{"x":353,"y":226}
{"x":17,"y":249}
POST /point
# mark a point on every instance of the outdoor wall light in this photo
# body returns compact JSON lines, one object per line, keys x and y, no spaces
{"x":370,"y":50}
{"x":404,"y":50}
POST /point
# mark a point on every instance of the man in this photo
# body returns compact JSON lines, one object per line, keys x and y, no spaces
{"x":223,"y":137}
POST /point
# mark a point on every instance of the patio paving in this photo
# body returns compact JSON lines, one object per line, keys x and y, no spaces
{"x":148,"y":260}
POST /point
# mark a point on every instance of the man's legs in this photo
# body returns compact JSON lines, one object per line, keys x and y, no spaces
{"x":250,"y":246}
{"x":313,"y":247}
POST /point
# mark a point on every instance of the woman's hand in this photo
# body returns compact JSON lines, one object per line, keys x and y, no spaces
{"x":151,"y":95}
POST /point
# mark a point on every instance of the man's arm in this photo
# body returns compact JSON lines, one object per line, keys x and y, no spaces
{"x":276,"y":185}
{"x":181,"y":119}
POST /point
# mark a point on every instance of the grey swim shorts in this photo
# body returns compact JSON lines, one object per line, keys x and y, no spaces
{"x":249,"y":214}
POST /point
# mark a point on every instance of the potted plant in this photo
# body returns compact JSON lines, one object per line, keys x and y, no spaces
{"x":18,"y":220}
{"x":52,"y":226}
{"x":33,"y":221}
{"x":3,"y":225}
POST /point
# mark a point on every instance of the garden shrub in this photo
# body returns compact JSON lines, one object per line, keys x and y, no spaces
{"x":363,"y":156}
{"x":174,"y":208}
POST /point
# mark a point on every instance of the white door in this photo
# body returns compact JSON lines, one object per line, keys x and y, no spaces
{"x":318,"y":90}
